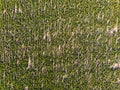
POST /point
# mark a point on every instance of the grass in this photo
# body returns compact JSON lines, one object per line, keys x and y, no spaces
{"x":59,"y":45}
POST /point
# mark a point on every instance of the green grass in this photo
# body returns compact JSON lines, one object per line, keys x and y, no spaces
{"x":59,"y":44}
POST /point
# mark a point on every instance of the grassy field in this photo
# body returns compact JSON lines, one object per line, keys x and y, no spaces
{"x":59,"y":44}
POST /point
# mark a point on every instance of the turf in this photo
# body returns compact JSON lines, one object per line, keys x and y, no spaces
{"x":59,"y":44}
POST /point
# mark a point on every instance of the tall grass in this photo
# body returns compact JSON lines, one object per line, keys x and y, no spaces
{"x":59,"y":44}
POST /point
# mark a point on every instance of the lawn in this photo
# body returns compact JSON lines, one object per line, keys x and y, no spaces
{"x":59,"y":44}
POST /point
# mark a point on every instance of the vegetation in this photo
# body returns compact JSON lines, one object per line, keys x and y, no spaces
{"x":59,"y":44}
